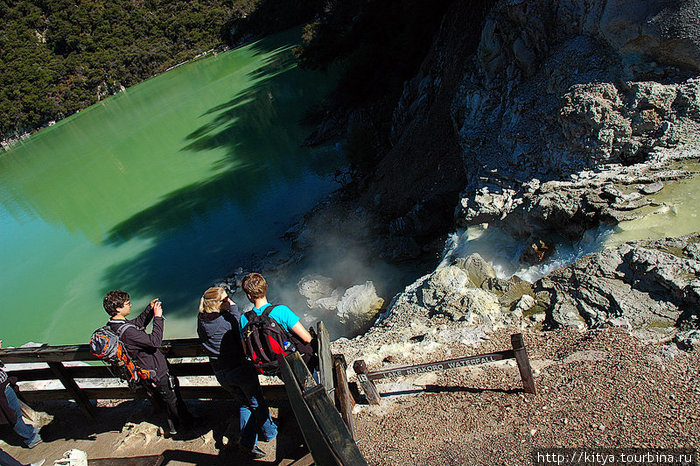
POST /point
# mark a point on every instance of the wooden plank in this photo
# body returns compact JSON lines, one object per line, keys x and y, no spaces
{"x":523,"y":363}
{"x":333,"y":427}
{"x":291,"y":370}
{"x":270,"y":392}
{"x":46,"y":354}
{"x":370,"y":390}
{"x":80,"y":398}
{"x":343,"y":399}
{"x":28,"y":375}
{"x":181,"y":348}
{"x":441,"y":365}
{"x":101,"y":371}
{"x":306,"y":460}
{"x":188,"y":369}
{"x":325,"y":360}
{"x":301,"y":373}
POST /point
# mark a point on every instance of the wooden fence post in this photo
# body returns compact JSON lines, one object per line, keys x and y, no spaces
{"x":523,"y":363}
{"x":371,"y":392}
{"x":343,"y":398}
{"x":324,"y":358}
{"x":80,"y":398}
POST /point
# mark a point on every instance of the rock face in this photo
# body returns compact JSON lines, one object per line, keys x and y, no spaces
{"x":569,"y":207}
{"x":558,"y":89}
{"x":548,"y":118}
{"x":653,"y":284}
{"x":537,"y":116}
{"x":540,"y":92}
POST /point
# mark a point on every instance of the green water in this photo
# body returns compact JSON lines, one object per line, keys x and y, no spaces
{"x":158,"y":191}
{"x":674,"y":212}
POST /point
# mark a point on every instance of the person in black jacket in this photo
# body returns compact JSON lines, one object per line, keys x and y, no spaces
{"x":144,"y":349}
{"x":218,"y":330}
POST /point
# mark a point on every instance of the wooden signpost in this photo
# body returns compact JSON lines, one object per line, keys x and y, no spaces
{"x":366,"y":378}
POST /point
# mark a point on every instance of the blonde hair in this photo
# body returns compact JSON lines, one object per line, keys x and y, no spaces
{"x":254,"y":285}
{"x":211,"y":300}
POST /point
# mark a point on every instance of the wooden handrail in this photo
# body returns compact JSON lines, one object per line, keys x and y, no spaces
{"x":180,"y":348}
{"x":70,"y":376}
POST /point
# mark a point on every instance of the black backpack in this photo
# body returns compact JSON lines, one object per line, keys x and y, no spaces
{"x":106,"y":345}
{"x":264,"y":339}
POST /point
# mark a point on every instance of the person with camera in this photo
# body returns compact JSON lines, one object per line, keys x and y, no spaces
{"x":144,"y":349}
{"x":217,"y":327}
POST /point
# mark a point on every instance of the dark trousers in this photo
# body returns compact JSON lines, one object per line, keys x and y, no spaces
{"x":165,"y":393}
{"x":7,"y":460}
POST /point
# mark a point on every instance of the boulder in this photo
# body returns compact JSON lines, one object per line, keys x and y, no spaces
{"x":446,"y":285}
{"x":477,"y":269}
{"x":359,"y":306}
{"x":453,"y":291}
{"x":642,"y":29}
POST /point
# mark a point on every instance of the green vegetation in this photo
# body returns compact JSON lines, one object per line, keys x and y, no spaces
{"x":59,"y":56}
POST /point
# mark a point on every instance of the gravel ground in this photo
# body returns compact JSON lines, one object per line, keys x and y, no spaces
{"x":596,"y":389}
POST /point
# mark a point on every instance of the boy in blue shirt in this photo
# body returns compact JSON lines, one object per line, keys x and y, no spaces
{"x":255,"y":288}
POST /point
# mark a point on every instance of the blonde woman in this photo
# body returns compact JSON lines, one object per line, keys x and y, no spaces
{"x":218,"y":330}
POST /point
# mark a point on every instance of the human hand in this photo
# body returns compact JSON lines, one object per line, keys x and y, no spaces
{"x":157,"y":307}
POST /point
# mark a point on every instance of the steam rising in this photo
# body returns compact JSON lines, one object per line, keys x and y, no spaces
{"x":356,"y":282}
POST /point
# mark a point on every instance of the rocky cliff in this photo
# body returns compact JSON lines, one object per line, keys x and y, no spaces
{"x":546,"y":119}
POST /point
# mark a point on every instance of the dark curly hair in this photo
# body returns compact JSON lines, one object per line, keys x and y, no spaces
{"x":115,"y":300}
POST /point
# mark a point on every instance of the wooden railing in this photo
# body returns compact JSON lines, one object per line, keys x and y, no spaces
{"x":322,"y":405}
{"x":323,"y":408}
{"x":70,"y":376}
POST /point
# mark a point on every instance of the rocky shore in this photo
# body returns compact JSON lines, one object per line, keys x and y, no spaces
{"x":568,"y":118}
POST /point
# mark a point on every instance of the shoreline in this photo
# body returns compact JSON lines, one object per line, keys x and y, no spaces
{"x":8,"y":143}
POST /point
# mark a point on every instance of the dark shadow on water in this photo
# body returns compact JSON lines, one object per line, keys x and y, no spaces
{"x":263,"y":182}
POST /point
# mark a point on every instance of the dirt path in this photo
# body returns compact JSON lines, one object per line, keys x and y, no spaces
{"x":598,"y":389}
{"x":129,"y":429}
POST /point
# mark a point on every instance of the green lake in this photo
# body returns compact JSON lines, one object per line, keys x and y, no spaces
{"x":159,"y":191}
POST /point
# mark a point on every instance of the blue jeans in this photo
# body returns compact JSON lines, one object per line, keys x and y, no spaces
{"x":242,"y":382}
{"x":27,"y":432}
